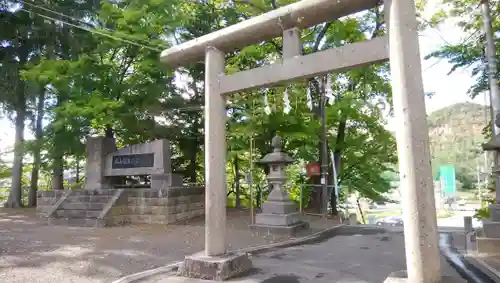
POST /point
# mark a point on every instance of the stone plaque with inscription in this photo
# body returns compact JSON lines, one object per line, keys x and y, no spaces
{"x":133,"y":161}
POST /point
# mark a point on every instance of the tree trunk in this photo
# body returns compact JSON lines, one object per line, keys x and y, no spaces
{"x":193,"y":163}
{"x":109,"y":133}
{"x":237,"y":181}
{"x":77,"y":170}
{"x":15,"y":195}
{"x":360,"y":211}
{"x":337,"y":155}
{"x":58,"y":173}
{"x":36,"y":152}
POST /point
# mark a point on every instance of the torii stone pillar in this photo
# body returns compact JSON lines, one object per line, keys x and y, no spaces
{"x":419,"y":209}
{"x":215,"y":155}
{"x":214,"y":263}
{"x":421,"y":238}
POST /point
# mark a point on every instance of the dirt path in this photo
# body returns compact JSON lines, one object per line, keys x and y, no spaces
{"x":31,"y":251}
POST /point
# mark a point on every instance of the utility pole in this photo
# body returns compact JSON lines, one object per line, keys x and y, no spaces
{"x":250,"y":182}
{"x":494,"y":90}
{"x":324,"y":148}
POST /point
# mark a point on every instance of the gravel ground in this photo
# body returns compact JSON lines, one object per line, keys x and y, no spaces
{"x":32,"y":251}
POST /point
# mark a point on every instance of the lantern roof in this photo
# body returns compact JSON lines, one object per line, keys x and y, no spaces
{"x":494,"y":143}
{"x":277,"y":156}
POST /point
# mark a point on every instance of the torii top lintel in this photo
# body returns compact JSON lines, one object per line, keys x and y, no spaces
{"x":302,"y":14}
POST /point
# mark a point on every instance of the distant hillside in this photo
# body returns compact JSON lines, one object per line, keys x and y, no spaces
{"x":455,"y":134}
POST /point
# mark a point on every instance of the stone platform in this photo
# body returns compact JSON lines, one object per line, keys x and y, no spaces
{"x":112,"y":207}
{"x":402,"y":277}
{"x":214,"y":268}
{"x":488,"y":239}
{"x":488,"y":264}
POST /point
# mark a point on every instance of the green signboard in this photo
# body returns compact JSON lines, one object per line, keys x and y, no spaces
{"x":448,"y":182}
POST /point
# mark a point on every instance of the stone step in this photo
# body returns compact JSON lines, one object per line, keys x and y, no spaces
{"x":78,"y":222}
{"x":71,"y":213}
{"x":82,"y":206}
{"x":489,"y":246}
{"x":109,"y":192}
{"x":89,"y":198}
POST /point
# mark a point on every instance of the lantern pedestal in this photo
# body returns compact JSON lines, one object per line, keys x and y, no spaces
{"x":290,"y":230}
{"x":279,"y":214}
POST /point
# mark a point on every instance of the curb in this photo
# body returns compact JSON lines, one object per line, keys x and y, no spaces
{"x":318,"y":236}
{"x":484,"y":267}
{"x":460,"y":263}
{"x":148,"y":273}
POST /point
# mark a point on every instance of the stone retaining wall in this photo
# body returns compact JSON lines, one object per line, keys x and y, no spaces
{"x":165,"y":206}
{"x":150,"y":206}
{"x":46,"y":199}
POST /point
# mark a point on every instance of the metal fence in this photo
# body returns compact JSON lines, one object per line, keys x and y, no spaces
{"x":308,"y":191}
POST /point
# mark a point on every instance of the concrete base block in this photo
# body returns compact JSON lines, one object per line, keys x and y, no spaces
{"x":276,"y":207}
{"x":218,"y":268}
{"x":471,"y":242}
{"x":268,"y":219}
{"x":491,"y":229}
{"x":402,"y":277}
{"x":290,"y":230}
{"x":489,"y":246}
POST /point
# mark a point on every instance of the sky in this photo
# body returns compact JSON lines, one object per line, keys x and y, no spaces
{"x":448,"y":89}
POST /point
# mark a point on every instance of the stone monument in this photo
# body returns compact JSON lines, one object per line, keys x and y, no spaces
{"x":104,"y":163}
{"x":279,"y":214}
{"x":108,"y":200}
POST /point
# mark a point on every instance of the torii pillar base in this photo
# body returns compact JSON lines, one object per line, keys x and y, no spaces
{"x":217,"y":268}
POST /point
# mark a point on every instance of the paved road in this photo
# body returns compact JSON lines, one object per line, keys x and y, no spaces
{"x":457,"y":220}
{"x":342,"y":259}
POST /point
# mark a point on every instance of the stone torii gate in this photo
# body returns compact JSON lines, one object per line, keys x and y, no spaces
{"x":400,"y":47}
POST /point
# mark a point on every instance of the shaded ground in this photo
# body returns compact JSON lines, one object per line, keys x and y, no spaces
{"x":31,"y":251}
{"x":342,"y":259}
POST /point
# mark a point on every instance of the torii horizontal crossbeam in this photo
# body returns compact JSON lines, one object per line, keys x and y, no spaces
{"x":303,"y":14}
{"x":335,"y":59}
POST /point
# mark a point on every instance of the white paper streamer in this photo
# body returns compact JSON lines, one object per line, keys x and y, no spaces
{"x":286,"y":102}
{"x":267,"y":108}
{"x":309,"y":99}
{"x":329,"y":91}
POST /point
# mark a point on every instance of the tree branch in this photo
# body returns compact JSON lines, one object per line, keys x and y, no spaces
{"x":321,"y":35}
{"x":378,"y":22}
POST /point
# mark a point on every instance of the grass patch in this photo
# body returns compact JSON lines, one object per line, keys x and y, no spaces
{"x":445,"y":214}
{"x":231,"y":201}
{"x":383,"y":214}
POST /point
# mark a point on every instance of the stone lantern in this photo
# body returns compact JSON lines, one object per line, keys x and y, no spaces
{"x":491,"y":227}
{"x":279,"y":214}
